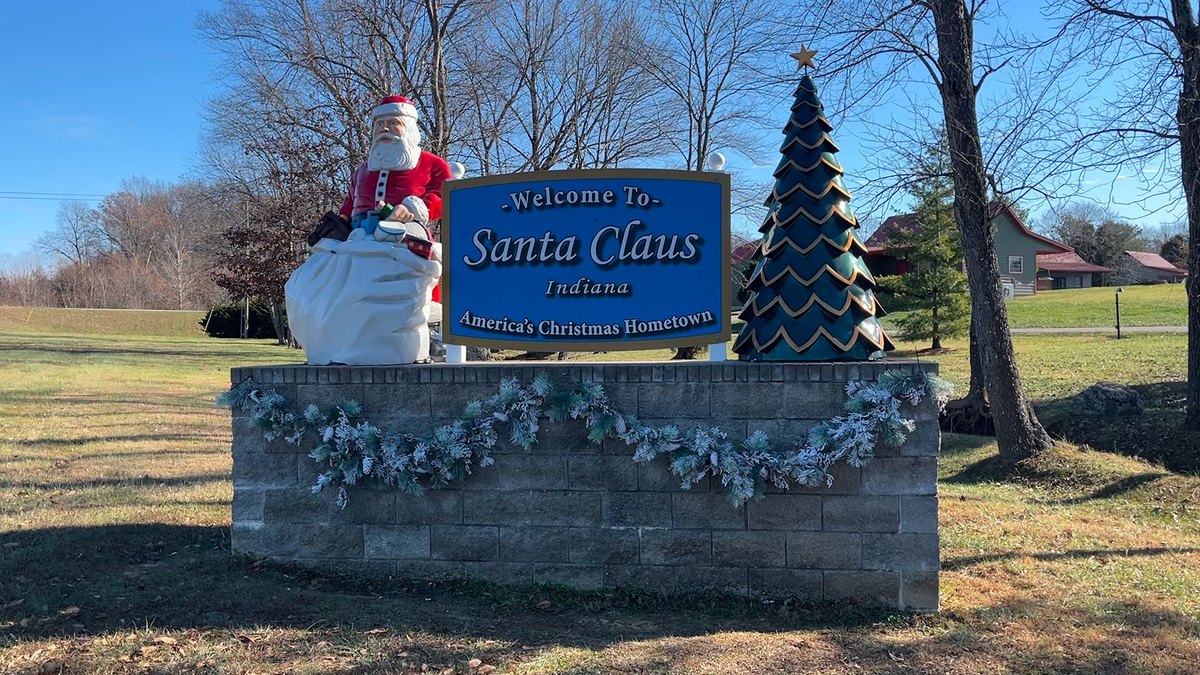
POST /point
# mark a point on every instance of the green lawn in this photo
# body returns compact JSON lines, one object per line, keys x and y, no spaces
{"x":59,"y":321}
{"x":114,"y":514}
{"x":1163,"y":305}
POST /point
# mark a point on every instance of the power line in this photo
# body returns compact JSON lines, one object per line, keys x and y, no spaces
{"x":53,"y":199}
{"x":52,"y":194}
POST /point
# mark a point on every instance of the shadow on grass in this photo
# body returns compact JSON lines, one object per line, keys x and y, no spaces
{"x":1117,"y":487}
{"x":959,"y":564}
{"x":1157,"y":435}
{"x":91,"y":483}
{"x":178,"y":577}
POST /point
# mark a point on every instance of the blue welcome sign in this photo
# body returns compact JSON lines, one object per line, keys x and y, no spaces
{"x":601,"y":259}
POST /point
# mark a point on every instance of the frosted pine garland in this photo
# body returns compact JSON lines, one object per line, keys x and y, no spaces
{"x":354,"y":450}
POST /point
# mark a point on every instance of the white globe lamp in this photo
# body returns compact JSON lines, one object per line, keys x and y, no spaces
{"x":457,"y":170}
{"x":715,"y":162}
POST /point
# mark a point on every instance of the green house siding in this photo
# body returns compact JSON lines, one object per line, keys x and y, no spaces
{"x":1011,"y":241}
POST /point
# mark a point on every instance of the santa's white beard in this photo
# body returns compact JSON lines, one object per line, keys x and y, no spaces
{"x":401,"y":154}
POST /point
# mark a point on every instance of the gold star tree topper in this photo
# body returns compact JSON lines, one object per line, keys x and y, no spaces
{"x":804,"y":57}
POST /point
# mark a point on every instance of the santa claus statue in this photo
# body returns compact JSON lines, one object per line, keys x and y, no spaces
{"x":368,"y":300}
{"x":399,"y":188}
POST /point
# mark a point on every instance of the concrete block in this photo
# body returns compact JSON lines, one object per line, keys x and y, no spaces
{"x":521,"y":472}
{"x":602,"y":472}
{"x":433,"y":570}
{"x":580,"y":577}
{"x":435,"y":507}
{"x":824,"y":550}
{"x":607,"y":546}
{"x":248,"y":504}
{"x":535,"y":544}
{"x":296,"y":505}
{"x":676,"y":547}
{"x":330,"y":541}
{"x":919,"y":514}
{"x":507,"y":507}
{"x":464,"y":542}
{"x":733,"y":580}
{"x":900,"y":476}
{"x":650,"y":578}
{"x":575,"y":509}
{"x":326,"y":396}
{"x":846,"y":481}
{"x":804,"y":585}
{"x":869,"y":588}
{"x":506,"y":573}
{"x":366,"y":506}
{"x":783,"y":433}
{"x":677,"y":399}
{"x":393,"y":542}
{"x":448,"y":400}
{"x":751,"y":400}
{"x":623,"y":397}
{"x":924,"y":441}
{"x":813,"y":400}
{"x":635,"y":509}
{"x":710,"y":510}
{"x":248,"y":438}
{"x":563,"y":437}
{"x":656,"y":476}
{"x":900,"y":552}
{"x":262,"y":469}
{"x":274,"y":540}
{"x":759,"y":549}
{"x":784,"y":512}
{"x":861,"y":513}
{"x":919,"y":591}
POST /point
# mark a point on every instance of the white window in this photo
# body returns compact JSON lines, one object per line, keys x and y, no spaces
{"x":1016,"y":264}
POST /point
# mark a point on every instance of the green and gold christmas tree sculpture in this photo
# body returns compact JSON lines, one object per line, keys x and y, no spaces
{"x":811,"y":292}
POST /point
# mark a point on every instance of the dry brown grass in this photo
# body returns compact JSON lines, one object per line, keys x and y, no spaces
{"x":114,"y":488}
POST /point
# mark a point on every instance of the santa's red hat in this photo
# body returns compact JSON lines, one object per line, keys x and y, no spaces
{"x":394,"y":105}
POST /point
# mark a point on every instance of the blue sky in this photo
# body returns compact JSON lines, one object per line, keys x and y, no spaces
{"x":94,"y":92}
{"x":97,"y":92}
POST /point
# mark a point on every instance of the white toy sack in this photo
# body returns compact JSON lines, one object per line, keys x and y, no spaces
{"x":361,"y":302}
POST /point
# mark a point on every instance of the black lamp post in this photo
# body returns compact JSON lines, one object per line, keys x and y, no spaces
{"x":1117,"y":295}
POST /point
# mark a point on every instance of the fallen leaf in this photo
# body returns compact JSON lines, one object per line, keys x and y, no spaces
{"x":164,"y":640}
{"x":376,"y":631}
{"x":14,"y":603}
{"x":51,"y":667}
{"x":544,"y":604}
{"x":487,"y":669}
{"x":149,"y":649}
{"x":474,"y":663}
{"x":70,"y":611}
{"x":11,"y":544}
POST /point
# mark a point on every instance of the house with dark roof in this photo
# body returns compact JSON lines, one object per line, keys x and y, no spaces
{"x":1139,"y":267}
{"x":1017,"y":248}
{"x":1057,"y":271}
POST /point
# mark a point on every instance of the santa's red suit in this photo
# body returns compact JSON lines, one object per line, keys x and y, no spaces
{"x":419,"y":187}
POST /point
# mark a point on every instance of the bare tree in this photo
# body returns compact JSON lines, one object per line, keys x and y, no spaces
{"x":1155,"y":45}
{"x":77,"y":236}
{"x":875,"y":43}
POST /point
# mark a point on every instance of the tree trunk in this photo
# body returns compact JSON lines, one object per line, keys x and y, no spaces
{"x":1018,"y":432}
{"x":978,"y":381}
{"x":279,"y":321}
{"x":1188,"y":118}
{"x":688,"y":353}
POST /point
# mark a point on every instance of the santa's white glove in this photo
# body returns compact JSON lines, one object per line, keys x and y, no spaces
{"x":395,"y":231}
{"x":417,"y":207}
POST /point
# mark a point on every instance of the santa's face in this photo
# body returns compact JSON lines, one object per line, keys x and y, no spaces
{"x":395,"y":144}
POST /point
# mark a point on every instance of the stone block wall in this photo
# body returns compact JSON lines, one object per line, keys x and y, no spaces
{"x":586,"y":515}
